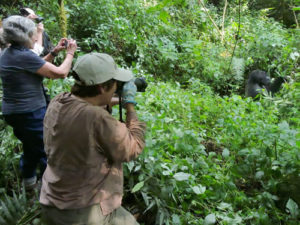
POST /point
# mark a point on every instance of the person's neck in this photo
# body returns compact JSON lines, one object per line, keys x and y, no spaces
{"x":19,"y":46}
{"x":96,"y":101}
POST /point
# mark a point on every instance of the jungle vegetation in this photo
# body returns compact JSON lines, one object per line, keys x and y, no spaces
{"x":212,"y":156}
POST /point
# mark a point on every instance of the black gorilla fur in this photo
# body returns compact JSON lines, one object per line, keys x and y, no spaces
{"x":259,"y":80}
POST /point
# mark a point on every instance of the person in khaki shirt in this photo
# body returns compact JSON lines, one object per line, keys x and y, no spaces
{"x":86,"y":146}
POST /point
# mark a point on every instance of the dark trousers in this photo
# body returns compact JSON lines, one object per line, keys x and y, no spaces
{"x":28,"y":128}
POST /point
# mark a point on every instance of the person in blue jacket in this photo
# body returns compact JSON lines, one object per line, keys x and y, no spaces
{"x":24,"y":104}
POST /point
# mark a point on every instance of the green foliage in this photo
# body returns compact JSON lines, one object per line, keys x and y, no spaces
{"x":222,"y":159}
{"x":208,"y":159}
{"x":176,"y":40}
{"x":270,"y":47}
{"x":9,"y":145}
{"x":280,"y":10}
{"x":17,"y":210}
{"x":175,"y":43}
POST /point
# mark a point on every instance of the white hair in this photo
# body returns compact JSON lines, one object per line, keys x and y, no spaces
{"x":30,"y":11}
{"x":2,"y":42}
{"x":18,"y":30}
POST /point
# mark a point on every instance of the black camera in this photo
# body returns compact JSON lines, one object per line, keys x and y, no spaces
{"x":141,"y":86}
{"x":140,"y":83}
{"x":39,"y":19}
{"x":65,"y":44}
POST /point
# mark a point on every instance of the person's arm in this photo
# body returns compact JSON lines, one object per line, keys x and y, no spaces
{"x":130,"y":113}
{"x":40,"y":30}
{"x":123,"y":142}
{"x":51,"y":71}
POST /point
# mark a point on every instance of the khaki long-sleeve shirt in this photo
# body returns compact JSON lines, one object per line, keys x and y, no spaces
{"x":85,"y":147}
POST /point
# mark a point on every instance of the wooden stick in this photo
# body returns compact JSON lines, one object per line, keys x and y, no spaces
{"x":211,"y":19}
{"x":223,"y":22}
{"x":296,"y":20}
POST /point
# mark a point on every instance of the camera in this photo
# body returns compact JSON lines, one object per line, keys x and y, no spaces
{"x":140,"y":83}
{"x":65,"y":44}
{"x":141,"y":86}
{"x":39,"y":19}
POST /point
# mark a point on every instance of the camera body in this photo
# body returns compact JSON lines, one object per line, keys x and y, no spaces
{"x":39,"y":19}
{"x":139,"y":82}
{"x":65,"y":44}
{"x":141,"y":86}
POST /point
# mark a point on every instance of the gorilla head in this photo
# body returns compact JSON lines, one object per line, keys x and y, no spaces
{"x":257,"y":81}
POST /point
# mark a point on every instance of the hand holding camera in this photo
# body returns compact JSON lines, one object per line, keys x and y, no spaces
{"x":71,"y":46}
{"x":64,"y":43}
{"x":128,"y":93}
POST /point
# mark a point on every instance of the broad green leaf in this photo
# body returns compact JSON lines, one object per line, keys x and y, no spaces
{"x":224,"y":206}
{"x":137,"y":187}
{"x":181,"y":176}
{"x":130,"y":165}
{"x":210,"y":219}
{"x":294,"y":55}
{"x":225,"y":153}
{"x":199,"y":189}
{"x":292,"y":208}
{"x":259,"y":175}
{"x":283,"y":125}
{"x":175,"y":219}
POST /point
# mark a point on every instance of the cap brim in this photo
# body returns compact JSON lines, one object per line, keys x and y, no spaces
{"x":123,"y":75}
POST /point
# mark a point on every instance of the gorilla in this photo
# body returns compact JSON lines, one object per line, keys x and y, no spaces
{"x":259,"y":80}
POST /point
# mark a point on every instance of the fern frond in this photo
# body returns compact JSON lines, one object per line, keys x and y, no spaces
{"x":30,"y":215}
{"x":238,"y":68}
{"x":10,"y":205}
{"x":12,"y":208}
{"x":6,"y":214}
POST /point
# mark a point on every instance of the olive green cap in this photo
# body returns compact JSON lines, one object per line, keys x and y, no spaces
{"x":97,"y":68}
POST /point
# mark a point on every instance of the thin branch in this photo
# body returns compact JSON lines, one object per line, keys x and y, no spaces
{"x":295,"y":16}
{"x":211,"y":19}
{"x":223,"y":21}
{"x":237,"y":36}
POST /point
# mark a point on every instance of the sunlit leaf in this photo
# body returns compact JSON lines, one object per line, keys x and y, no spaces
{"x":292,"y":208}
{"x":181,"y":176}
{"x":199,"y":189}
{"x":175,"y":219}
{"x":137,"y":187}
{"x":210,"y":219}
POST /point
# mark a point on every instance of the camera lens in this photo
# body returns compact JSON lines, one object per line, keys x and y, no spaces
{"x":140,"y":84}
{"x":39,"y":19}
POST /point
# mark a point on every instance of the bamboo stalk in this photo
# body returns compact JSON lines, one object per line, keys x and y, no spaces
{"x":223,"y":21}
{"x":211,"y":19}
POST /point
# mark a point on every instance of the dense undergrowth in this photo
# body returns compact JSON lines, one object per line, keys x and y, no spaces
{"x":212,"y":156}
